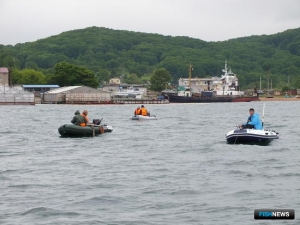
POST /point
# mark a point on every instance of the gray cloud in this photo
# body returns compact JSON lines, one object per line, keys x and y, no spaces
{"x":209,"y":20}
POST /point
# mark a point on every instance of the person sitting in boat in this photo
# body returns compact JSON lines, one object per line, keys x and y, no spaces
{"x":253,"y":121}
{"x":86,"y":119}
{"x":137,"y":111}
{"x":77,"y":119}
{"x":143,"y":111}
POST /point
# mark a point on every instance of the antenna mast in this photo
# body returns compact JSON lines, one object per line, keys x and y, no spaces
{"x":190,"y":74}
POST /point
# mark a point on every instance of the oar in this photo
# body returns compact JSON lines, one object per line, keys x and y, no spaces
{"x":262,"y":122}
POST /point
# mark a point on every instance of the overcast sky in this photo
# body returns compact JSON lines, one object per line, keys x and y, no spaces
{"x":210,"y":20}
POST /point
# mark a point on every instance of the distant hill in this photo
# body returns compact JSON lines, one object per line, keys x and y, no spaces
{"x":276,"y":57}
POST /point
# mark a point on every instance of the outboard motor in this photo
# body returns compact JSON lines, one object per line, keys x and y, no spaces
{"x":96,"y":121}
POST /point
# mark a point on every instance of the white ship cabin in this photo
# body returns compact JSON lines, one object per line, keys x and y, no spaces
{"x":197,"y":84}
{"x":227,"y":85}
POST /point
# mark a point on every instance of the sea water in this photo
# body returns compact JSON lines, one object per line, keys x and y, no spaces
{"x":174,"y":170}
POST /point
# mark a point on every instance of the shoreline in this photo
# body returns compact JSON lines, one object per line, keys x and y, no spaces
{"x":282,"y":99}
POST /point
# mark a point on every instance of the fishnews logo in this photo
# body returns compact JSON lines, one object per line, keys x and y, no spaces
{"x":274,"y":214}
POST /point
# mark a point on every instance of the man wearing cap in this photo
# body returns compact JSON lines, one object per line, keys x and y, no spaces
{"x":77,"y":119}
{"x":253,"y":121}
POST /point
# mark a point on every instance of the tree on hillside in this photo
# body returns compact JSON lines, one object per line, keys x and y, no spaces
{"x":160,"y":79}
{"x":296,"y":82}
{"x":127,"y":52}
{"x":103,"y":76}
{"x":28,"y":76}
{"x":133,"y":79}
{"x":67,"y":74}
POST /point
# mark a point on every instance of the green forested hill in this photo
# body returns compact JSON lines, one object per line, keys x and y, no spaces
{"x":119,"y":53}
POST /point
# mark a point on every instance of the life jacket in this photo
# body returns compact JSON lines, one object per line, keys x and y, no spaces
{"x":143,"y":112}
{"x":86,"y":119}
{"x":136,"y":112}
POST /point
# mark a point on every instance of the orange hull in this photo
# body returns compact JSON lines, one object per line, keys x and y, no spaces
{"x":245,"y":99}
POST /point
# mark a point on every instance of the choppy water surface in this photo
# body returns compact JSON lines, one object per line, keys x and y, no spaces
{"x":176,"y":170}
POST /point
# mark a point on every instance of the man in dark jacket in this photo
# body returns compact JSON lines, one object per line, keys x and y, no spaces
{"x":78,"y":118}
